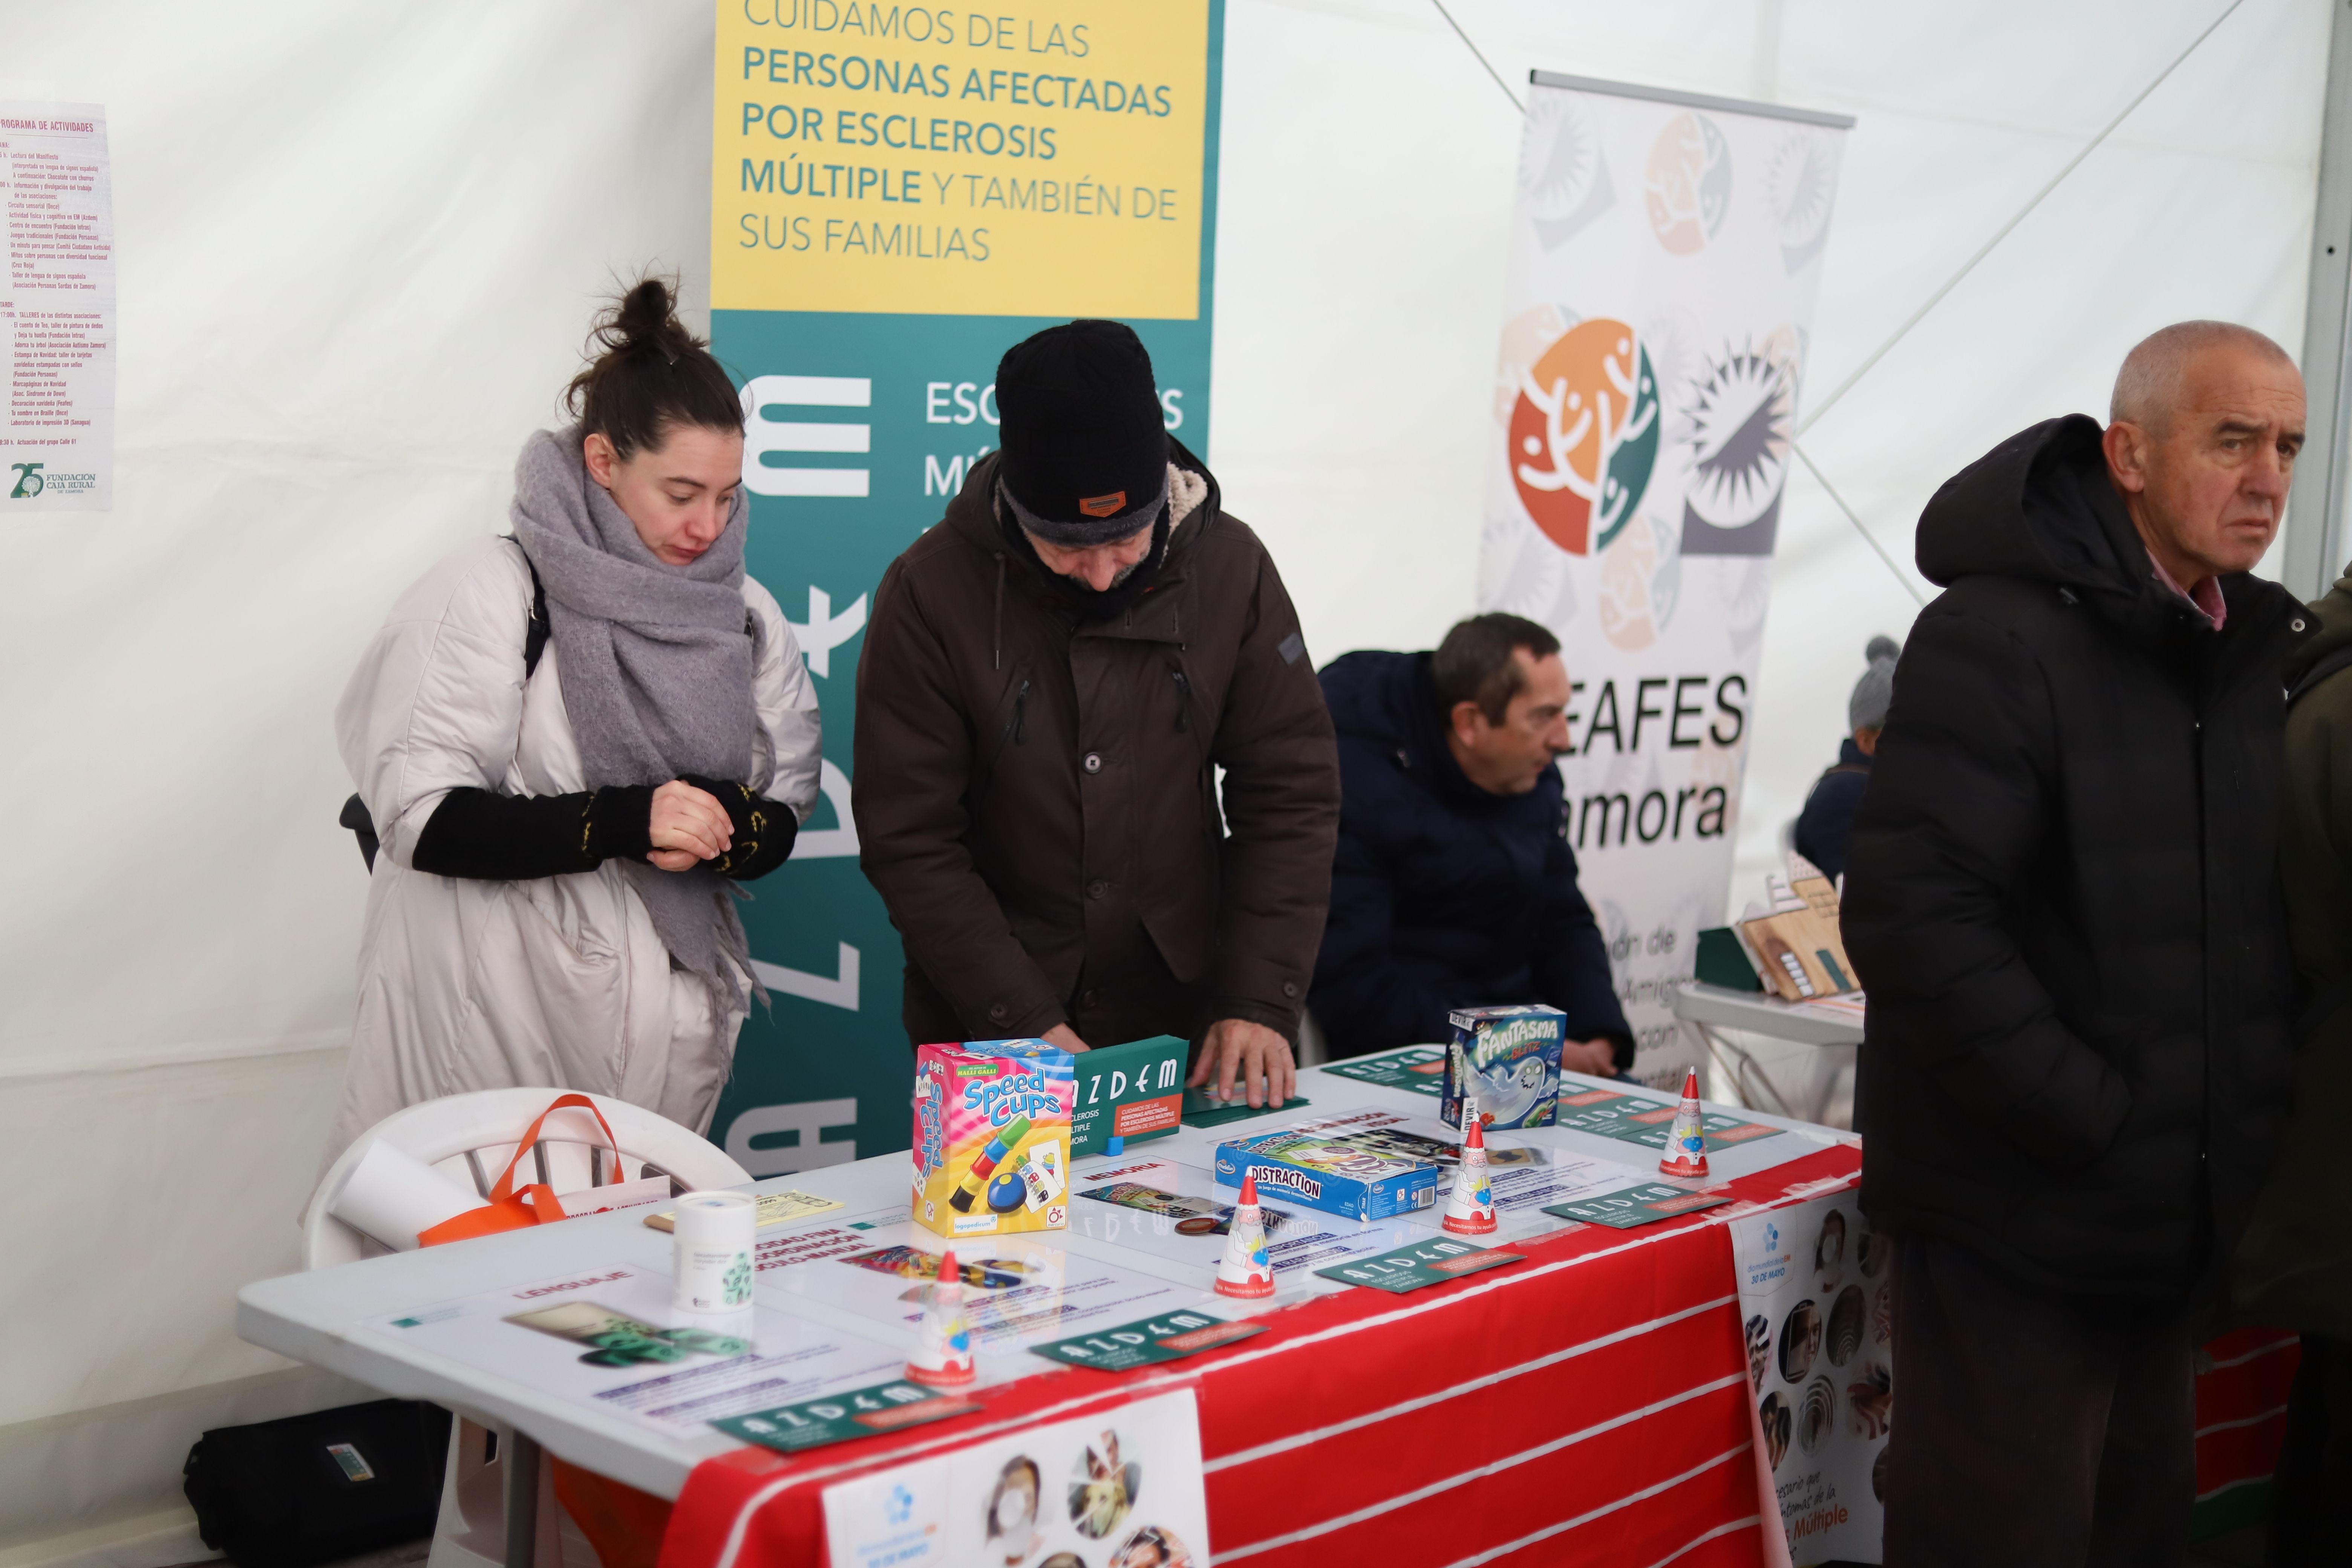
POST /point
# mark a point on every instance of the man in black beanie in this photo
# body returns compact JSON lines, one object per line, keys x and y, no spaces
{"x":1049,"y":681}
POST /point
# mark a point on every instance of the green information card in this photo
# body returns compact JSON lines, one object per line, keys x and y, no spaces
{"x":861,"y":1413}
{"x":1203,"y":1109}
{"x":1171,"y":1336}
{"x":1128,"y":1091}
{"x":1418,"y":1068}
{"x":1630,"y":1206}
{"x":1423,"y":1263}
{"x":1632,"y":1119}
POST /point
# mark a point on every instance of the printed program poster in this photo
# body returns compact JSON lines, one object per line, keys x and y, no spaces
{"x":1119,"y":1490}
{"x":57,"y":309}
{"x":1816,"y":1297}
{"x":608,"y":1340}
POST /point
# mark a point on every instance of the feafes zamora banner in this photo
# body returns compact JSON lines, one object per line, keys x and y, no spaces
{"x":1664,"y":253}
{"x":899,"y":194}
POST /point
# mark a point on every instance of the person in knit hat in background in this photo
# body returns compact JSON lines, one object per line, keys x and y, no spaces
{"x":1826,"y":823}
{"x":1050,"y":682}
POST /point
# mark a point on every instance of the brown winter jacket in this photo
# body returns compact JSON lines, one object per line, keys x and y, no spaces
{"x":1035,"y":799}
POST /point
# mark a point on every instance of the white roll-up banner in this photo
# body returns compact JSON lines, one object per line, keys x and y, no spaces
{"x":1664,"y":253}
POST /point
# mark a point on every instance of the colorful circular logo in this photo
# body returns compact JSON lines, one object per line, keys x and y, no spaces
{"x":1584,"y":435}
{"x":1689,"y":184}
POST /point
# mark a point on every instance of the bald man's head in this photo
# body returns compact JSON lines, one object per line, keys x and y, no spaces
{"x":2206,"y":420}
{"x":2149,"y":386}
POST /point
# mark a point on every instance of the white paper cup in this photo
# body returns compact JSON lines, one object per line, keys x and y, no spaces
{"x":390,"y":1194}
{"x":713,"y":1239}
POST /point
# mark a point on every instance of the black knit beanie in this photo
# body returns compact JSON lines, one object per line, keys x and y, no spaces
{"x":1085,"y":448}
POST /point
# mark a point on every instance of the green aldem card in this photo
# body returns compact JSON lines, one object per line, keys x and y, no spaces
{"x":1171,"y":1336}
{"x":1126,"y":1091}
{"x":1423,"y":1263}
{"x":1631,"y":1118}
{"x":1203,"y":1109}
{"x":1420,"y":1069}
{"x":861,"y":1413}
{"x":1630,"y":1206}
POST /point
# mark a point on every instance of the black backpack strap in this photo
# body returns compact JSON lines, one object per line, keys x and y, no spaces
{"x":355,"y":818}
{"x":2340,"y":659}
{"x":535,"y":633}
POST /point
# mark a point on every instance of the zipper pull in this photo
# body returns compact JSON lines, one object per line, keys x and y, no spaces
{"x":1184,"y":701}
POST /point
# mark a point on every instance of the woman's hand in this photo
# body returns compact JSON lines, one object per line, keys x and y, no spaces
{"x":689,"y":826}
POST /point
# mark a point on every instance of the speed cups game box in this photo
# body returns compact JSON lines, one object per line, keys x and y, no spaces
{"x":1508,"y":1058}
{"x":992,"y":1137}
{"x":1316,"y":1165}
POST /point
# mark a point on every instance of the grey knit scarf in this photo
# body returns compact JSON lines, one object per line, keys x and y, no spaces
{"x":657,"y":672}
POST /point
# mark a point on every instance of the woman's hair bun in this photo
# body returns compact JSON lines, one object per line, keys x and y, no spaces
{"x":647,"y":373}
{"x":645,"y":318}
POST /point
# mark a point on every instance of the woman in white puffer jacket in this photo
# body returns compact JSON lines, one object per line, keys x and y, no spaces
{"x":574,"y":742}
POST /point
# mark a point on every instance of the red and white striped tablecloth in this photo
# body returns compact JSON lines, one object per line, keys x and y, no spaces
{"x":1588,"y":1405}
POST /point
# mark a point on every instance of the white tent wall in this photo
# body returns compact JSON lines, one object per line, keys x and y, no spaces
{"x":357,"y":249}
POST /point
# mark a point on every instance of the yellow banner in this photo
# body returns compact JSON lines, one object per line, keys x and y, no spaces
{"x":1037,"y":159}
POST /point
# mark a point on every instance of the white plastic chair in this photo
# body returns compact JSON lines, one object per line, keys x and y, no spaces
{"x":469,"y":1138}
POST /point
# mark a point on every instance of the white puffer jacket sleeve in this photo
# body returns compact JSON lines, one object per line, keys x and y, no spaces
{"x":785,"y":761}
{"x":436,"y":702}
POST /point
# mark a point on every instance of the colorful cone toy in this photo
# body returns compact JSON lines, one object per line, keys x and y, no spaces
{"x":942,"y":1355}
{"x":1470,"y":1207}
{"x":1686,"y":1152}
{"x":1244,"y":1269}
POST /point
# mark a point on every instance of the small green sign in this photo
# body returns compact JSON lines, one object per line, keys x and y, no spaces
{"x":1129,"y":1090}
{"x":1419,"y":1069}
{"x":861,"y":1413}
{"x":1423,"y":1263}
{"x":1171,"y":1336}
{"x":1631,"y":1118}
{"x":1203,"y":1109}
{"x":1630,"y":1206}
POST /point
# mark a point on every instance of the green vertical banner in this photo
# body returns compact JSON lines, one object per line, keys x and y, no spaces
{"x":898,"y":194}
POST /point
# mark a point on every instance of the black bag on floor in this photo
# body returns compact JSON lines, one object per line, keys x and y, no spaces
{"x":314,"y":1489}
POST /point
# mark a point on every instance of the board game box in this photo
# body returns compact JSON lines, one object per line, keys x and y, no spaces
{"x":1508,"y":1058}
{"x":991,"y":1149}
{"x":1317,"y":1165}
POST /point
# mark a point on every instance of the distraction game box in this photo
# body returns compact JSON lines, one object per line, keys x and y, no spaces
{"x":1508,"y":1058}
{"x":1315,"y":1164}
{"x":992,"y":1137}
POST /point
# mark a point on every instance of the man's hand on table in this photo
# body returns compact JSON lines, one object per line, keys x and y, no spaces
{"x":1595,"y":1058}
{"x":1257,"y":1054}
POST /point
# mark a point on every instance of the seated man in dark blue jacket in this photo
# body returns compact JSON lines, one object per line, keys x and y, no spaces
{"x":1454,"y":886}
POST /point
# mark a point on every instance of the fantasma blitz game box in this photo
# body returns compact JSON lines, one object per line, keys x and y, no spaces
{"x":992,"y":1137}
{"x":1509,"y":1058}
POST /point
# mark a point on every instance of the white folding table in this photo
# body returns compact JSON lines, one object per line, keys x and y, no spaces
{"x":1833,"y":1032}
{"x":333,"y":1317}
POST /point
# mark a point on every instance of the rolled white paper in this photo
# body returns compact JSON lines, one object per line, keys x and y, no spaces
{"x":713,"y":1236}
{"x":391,"y":1196}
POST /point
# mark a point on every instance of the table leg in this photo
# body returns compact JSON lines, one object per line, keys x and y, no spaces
{"x":522,"y":1460}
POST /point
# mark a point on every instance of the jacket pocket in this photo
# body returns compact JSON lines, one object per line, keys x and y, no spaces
{"x":1009,"y":727}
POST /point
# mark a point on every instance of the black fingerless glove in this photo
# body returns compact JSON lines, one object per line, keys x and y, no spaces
{"x":487,"y":837}
{"x":762,"y":829}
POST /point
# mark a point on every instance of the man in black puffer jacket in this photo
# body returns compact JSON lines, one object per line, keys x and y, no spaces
{"x":2063,"y":902}
{"x":1454,"y":886}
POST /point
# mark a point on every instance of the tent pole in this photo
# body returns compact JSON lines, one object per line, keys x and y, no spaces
{"x":2316,"y":540}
